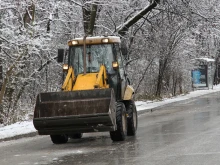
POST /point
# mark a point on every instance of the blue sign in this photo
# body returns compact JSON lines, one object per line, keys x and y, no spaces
{"x":196,"y":74}
{"x":199,"y":76}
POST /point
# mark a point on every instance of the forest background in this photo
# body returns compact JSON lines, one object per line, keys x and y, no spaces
{"x":162,"y":36}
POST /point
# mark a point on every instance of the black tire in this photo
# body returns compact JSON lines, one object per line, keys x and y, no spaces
{"x":76,"y":136}
{"x":59,"y":139}
{"x":121,"y":121}
{"x":132,"y":120}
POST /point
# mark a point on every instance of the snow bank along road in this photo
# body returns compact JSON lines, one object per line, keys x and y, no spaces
{"x":26,"y":128}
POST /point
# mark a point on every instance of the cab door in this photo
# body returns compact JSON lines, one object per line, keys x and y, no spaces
{"x":122,"y":76}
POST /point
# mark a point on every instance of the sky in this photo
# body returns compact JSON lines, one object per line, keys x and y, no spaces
{"x":26,"y":127}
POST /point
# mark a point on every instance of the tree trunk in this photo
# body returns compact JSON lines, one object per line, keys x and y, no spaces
{"x":86,"y":18}
{"x":162,"y":67}
{"x":159,"y":83}
{"x":92,"y":19}
{"x":89,"y":17}
{"x":29,"y":16}
{"x":180,"y":84}
{"x":174,"y":84}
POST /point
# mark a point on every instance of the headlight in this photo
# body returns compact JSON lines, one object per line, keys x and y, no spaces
{"x":65,"y":67}
{"x":115,"y":65}
{"x":105,"y":40}
{"x":75,"y":42}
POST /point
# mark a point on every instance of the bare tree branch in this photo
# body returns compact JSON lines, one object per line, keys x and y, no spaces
{"x":124,"y":28}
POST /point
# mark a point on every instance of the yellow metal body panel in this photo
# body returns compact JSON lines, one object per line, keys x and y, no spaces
{"x":84,"y":82}
{"x":91,"y":80}
{"x":128,"y":93}
{"x":100,"y":83}
{"x":69,"y":80}
{"x":95,"y":40}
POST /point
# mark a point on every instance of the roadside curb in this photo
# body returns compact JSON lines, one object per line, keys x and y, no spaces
{"x":32,"y":134}
{"x":168,"y":104}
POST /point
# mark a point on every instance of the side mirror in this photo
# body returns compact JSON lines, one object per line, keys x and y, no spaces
{"x":60,"y":55}
{"x":115,"y":65}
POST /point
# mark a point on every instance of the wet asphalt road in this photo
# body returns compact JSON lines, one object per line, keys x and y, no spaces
{"x":183,"y":133}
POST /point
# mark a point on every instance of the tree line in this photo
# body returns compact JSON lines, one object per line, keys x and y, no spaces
{"x":161,"y":37}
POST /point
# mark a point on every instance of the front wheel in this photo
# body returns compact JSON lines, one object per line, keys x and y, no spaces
{"x":59,"y":139}
{"x":132,"y":120}
{"x":121,"y":121}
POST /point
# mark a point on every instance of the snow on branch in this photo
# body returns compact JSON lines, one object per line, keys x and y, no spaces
{"x":122,"y":29}
{"x":76,"y":3}
{"x":4,"y":39}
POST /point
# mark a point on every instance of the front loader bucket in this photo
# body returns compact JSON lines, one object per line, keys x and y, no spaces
{"x":75,"y":112}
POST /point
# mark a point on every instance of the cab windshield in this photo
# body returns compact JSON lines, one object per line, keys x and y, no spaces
{"x":95,"y":56}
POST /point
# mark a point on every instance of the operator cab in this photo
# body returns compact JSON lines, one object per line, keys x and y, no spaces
{"x":99,"y":51}
{"x":96,"y":55}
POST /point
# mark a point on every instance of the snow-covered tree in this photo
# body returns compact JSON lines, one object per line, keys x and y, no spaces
{"x":161,"y":37}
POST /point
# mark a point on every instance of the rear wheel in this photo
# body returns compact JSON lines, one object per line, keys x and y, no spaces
{"x":76,"y":136}
{"x":59,"y":139}
{"x":121,"y":121}
{"x":132,"y":120}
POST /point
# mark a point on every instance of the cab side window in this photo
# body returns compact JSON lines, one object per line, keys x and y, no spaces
{"x":120,"y":61}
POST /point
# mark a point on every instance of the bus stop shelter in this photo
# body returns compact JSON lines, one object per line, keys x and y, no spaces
{"x":203,"y":73}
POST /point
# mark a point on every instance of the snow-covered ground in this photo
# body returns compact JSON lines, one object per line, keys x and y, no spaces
{"x":141,"y":105}
{"x":27,"y":127}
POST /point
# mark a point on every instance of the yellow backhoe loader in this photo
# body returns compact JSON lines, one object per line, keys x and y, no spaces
{"x":96,"y":94}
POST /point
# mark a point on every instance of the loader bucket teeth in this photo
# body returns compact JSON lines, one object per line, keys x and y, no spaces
{"x":75,"y":112}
